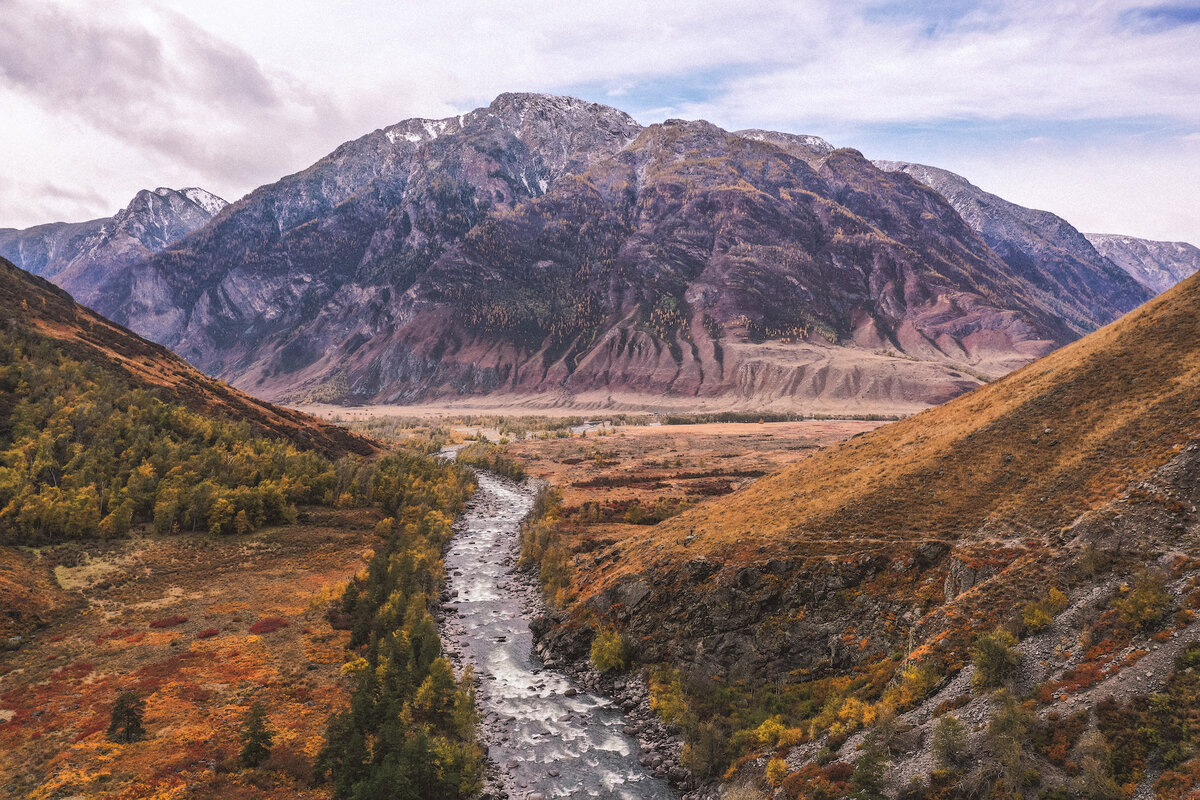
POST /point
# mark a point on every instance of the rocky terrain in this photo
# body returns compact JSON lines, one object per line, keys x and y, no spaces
{"x":81,"y":256}
{"x":845,"y":606}
{"x":1156,"y":265}
{"x":548,"y":248}
{"x":1044,"y":249}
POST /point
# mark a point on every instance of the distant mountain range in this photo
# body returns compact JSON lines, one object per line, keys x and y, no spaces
{"x":79,"y":256}
{"x":544,"y":250}
{"x":1157,"y":265}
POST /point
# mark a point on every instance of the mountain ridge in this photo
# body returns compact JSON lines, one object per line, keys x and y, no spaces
{"x":549,"y":250}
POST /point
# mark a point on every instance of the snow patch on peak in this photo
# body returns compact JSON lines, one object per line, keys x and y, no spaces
{"x":417,"y":130}
{"x":814,"y":144}
{"x":205,"y":199}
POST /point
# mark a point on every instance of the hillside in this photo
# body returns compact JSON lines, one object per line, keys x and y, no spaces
{"x":33,"y":305}
{"x":180,"y":563}
{"x":838,"y":603}
{"x":1157,"y":265}
{"x":544,"y":250}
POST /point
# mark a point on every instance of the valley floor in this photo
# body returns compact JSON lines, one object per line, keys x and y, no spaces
{"x":199,"y":626}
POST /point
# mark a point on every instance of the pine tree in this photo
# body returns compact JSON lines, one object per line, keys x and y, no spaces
{"x":126,"y":725}
{"x":256,"y":736}
{"x":870,"y":770}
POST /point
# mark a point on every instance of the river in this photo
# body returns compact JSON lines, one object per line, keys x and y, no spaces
{"x":547,"y":737}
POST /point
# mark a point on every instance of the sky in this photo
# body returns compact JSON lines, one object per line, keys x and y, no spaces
{"x":1087,"y":109}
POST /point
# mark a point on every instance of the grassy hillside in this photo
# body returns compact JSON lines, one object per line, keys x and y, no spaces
{"x":1024,"y":455}
{"x":1004,"y":560}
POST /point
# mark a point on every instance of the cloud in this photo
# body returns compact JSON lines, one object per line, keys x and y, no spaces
{"x":228,"y":94}
{"x":156,"y":81}
{"x":1150,"y":19}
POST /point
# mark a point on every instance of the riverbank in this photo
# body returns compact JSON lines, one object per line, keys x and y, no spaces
{"x":547,"y":735}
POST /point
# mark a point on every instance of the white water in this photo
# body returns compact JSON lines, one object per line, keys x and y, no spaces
{"x":531,"y":727}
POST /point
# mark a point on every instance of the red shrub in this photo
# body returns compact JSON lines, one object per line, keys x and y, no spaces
{"x":206,"y":633}
{"x":72,"y":671}
{"x":268,"y":625}
{"x":115,"y":633}
{"x":169,"y":622}
{"x":839,"y":772}
{"x":95,"y":725}
{"x":57,"y":638}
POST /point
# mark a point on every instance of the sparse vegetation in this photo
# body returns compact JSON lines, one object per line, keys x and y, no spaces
{"x":996,"y":659}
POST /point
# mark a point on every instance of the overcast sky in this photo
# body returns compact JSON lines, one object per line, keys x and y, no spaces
{"x":1090,"y":109}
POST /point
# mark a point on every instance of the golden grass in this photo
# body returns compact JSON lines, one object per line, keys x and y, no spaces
{"x":1018,"y":458}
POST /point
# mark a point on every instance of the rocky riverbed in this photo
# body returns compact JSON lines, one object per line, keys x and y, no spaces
{"x":552,"y":729}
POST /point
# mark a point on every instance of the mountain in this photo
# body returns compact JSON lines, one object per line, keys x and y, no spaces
{"x":31,"y":305}
{"x":79,"y":256}
{"x":1156,"y":265}
{"x":1043,"y":249}
{"x":857,"y":592}
{"x":547,"y":248}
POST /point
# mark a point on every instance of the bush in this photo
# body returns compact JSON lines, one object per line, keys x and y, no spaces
{"x":777,"y":770}
{"x":269,"y":625}
{"x":1141,"y":607}
{"x":996,"y":659}
{"x":608,"y":651}
{"x":169,"y":622}
{"x":949,"y":742}
{"x":1038,"y":616}
{"x":207,"y":633}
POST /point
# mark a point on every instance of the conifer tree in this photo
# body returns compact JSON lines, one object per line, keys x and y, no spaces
{"x":256,"y":737}
{"x":126,"y":725}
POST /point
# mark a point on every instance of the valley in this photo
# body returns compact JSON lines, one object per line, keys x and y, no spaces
{"x":779,"y":473}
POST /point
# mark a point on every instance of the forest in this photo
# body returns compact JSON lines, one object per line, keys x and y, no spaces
{"x":84,"y":455}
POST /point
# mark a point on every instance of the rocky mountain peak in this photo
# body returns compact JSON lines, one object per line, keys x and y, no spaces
{"x":809,"y":148}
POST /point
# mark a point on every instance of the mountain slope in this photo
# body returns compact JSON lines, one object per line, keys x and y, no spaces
{"x":1156,"y":265}
{"x":547,"y":250}
{"x":33,"y":305}
{"x":861,"y":576}
{"x":696,"y":263}
{"x":81,"y":256}
{"x":1042,"y":249}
